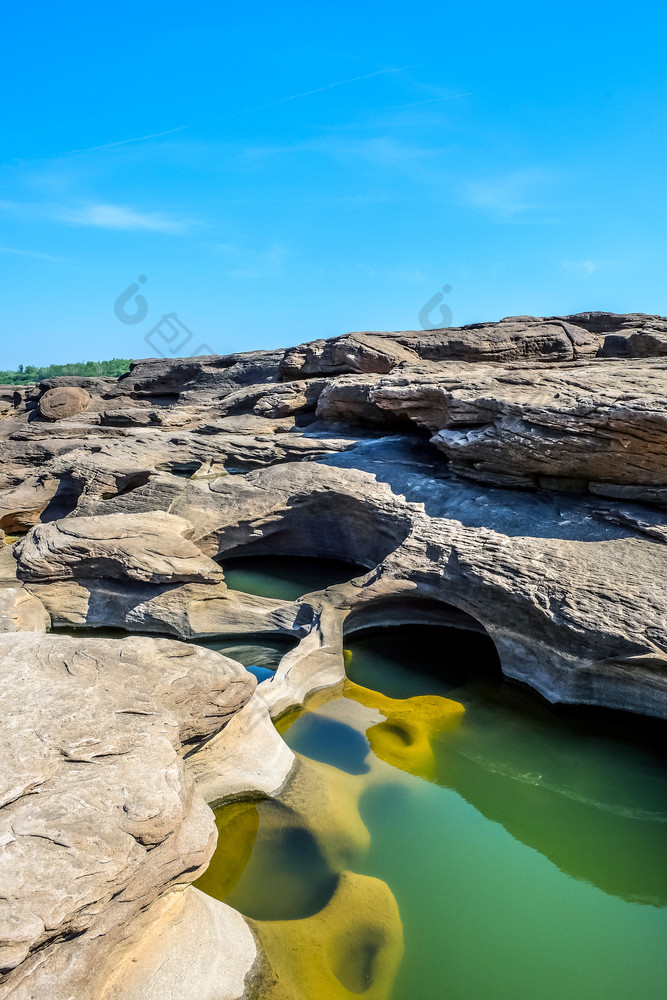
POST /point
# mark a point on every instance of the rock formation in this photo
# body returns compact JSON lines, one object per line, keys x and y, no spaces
{"x":509,"y":478}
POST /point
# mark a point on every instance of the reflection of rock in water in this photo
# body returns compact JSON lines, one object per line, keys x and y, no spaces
{"x":583,"y":798}
{"x":585,"y":807}
{"x":237,"y":826}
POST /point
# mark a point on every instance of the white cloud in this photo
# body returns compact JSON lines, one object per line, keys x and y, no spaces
{"x":120,"y":217}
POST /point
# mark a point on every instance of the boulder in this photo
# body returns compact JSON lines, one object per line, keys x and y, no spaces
{"x":152,"y":547}
{"x":63,"y":402}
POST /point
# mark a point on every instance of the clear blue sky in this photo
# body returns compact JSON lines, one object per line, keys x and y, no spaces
{"x":280,"y":172}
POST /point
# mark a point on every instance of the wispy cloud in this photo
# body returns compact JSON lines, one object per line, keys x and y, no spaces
{"x":120,"y":217}
{"x":588,"y":267}
{"x":32,"y":253}
{"x":377,"y":151}
{"x":431,"y":100}
{"x":99,"y":215}
{"x":124,"y":142}
{"x":318,"y":90}
{"x":512,"y":194}
{"x":244,"y":111}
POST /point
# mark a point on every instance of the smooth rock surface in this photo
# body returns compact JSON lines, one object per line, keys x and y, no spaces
{"x":21,"y":611}
{"x":98,"y":813}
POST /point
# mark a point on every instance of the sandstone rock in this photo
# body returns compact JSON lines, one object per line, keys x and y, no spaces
{"x":513,"y":339}
{"x":102,"y":825}
{"x":151,"y":547}
{"x":523,"y":426}
{"x":98,"y":813}
{"x":275,"y":400}
{"x":550,"y":603}
{"x":188,"y":611}
{"x":58,"y":404}
{"x":21,"y":611}
{"x":23,"y":506}
{"x":186,"y":942}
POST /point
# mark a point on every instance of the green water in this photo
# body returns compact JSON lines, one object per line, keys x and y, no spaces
{"x":285,"y":577}
{"x":532,"y":865}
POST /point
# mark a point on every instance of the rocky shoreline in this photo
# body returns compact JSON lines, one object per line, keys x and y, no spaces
{"x":507,"y":477}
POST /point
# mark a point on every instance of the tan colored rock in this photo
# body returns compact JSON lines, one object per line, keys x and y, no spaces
{"x":154,"y":548}
{"x":66,"y":401}
{"x":191,"y":946}
{"x":98,"y":814}
{"x":21,"y":611}
{"x":102,"y":825}
{"x":23,"y":506}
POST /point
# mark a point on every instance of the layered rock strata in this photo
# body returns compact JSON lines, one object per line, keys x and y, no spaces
{"x":509,"y":478}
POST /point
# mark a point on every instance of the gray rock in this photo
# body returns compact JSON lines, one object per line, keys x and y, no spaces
{"x":519,"y":425}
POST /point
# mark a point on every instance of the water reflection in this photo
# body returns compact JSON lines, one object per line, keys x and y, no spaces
{"x":524,"y":846}
{"x":593,"y":801}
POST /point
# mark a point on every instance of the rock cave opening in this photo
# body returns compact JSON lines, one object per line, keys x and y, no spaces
{"x":322,"y":525}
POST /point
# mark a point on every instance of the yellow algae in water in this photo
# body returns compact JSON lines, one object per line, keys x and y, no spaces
{"x":237,"y":825}
{"x":352,"y":946}
{"x":327,"y":801}
{"x":405,"y":739}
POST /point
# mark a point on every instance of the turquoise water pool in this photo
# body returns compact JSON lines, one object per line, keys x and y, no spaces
{"x":524,"y":846}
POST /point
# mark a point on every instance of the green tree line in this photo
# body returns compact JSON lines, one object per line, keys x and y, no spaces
{"x":30,"y":373}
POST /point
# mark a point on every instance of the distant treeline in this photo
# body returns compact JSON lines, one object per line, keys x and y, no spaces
{"x":29,"y":373}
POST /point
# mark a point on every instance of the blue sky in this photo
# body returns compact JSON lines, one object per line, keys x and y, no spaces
{"x":279,"y":173}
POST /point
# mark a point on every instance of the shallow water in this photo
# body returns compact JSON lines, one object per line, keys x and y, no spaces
{"x":525,"y":847}
{"x":285,"y":577}
{"x":260,"y":654}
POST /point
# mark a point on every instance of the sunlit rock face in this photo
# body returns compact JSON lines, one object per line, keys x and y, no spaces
{"x":99,"y":813}
{"x":505,"y":478}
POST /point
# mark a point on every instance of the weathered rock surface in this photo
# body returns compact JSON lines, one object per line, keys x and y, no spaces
{"x":588,"y":423}
{"x":65,"y":401}
{"x":24,"y":505}
{"x":507,"y":477}
{"x":154,"y":548}
{"x":517,"y":338}
{"x":99,"y":814}
{"x":21,"y":611}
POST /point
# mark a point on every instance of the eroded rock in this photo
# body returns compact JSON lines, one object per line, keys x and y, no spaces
{"x":21,"y":611}
{"x":399,"y":452}
{"x":154,"y":548}
{"x":99,"y":814}
{"x":63,"y":402}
